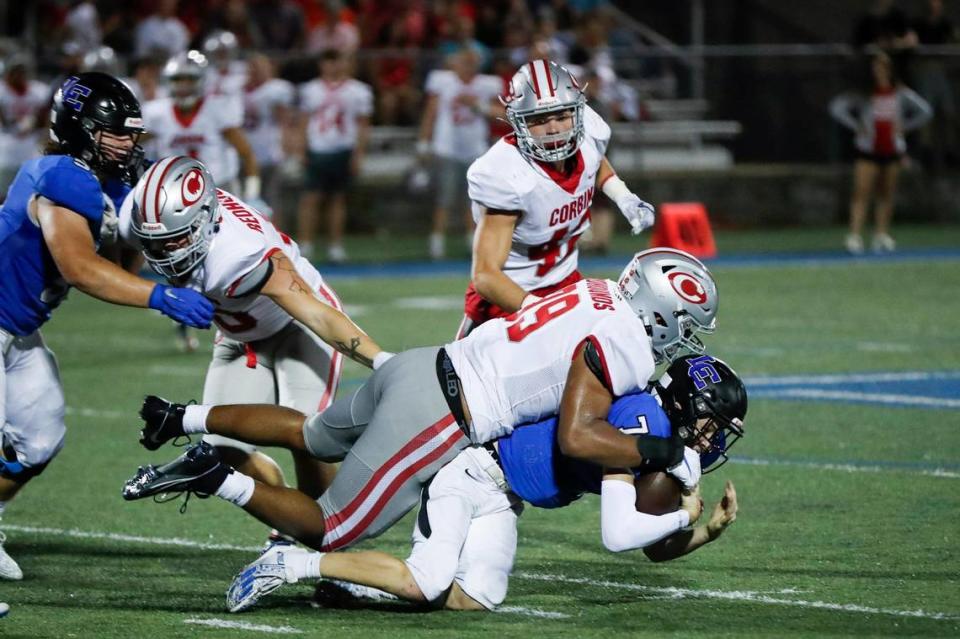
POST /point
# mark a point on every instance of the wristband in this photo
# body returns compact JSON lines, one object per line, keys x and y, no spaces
{"x":251,"y":187}
{"x":615,"y":188}
{"x":382,"y":358}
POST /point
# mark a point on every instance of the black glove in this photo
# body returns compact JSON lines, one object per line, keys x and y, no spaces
{"x":659,"y":453}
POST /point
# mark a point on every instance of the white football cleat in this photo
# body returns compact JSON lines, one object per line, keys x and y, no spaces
{"x":8,"y":567}
{"x":4,"y":609}
{"x":270,"y":571}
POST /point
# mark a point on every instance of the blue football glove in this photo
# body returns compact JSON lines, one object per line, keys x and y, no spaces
{"x":183,"y":305}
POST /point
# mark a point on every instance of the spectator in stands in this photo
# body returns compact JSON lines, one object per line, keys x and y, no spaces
{"x":83,"y":26}
{"x":335,"y":122}
{"x":879,"y":114}
{"x":23,"y":105}
{"x":885,"y":26}
{"x":455,"y":131}
{"x":281,"y":23}
{"x":162,"y":32}
{"x":335,"y":31}
{"x":393,"y":70}
{"x":145,"y":82}
{"x":460,"y":36}
{"x":940,"y":137}
{"x":234,"y":17}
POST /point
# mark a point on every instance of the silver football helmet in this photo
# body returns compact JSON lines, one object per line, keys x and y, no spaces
{"x":221,"y":46}
{"x":541,"y":87}
{"x":174,"y":214}
{"x":675,"y":296}
{"x":185,"y":74}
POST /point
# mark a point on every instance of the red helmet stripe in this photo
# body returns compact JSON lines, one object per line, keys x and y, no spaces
{"x":546,"y":71}
{"x":536,"y":82}
{"x":146,"y":189}
{"x":156,"y":196}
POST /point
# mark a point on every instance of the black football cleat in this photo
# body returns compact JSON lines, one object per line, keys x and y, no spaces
{"x":163,"y":421}
{"x":198,"y":470}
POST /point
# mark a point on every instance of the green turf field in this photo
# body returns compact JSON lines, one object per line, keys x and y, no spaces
{"x":849,"y":512}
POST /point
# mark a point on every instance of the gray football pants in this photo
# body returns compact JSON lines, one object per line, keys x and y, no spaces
{"x":392,"y":435}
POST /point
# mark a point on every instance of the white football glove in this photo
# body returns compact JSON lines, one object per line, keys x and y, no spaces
{"x":109,"y":223}
{"x":638,"y":213}
{"x":687,"y":471}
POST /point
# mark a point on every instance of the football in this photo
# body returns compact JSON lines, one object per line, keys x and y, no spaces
{"x":657,"y":493}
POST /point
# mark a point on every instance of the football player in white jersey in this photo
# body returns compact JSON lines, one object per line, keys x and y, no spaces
{"x":465,"y":536}
{"x":227,"y":75}
{"x":335,"y":122}
{"x":532,"y":192}
{"x":23,"y":101}
{"x":267,"y":115}
{"x":569,"y":354}
{"x":205,"y":127}
{"x":455,"y":131}
{"x":281,"y":330}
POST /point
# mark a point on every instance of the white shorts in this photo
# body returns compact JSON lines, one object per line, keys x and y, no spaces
{"x":466,"y":531}
{"x":292,"y":368}
{"x":31,"y":400}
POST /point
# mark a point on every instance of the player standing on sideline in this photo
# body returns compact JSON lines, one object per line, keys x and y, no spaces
{"x":465,"y":535}
{"x":335,"y":122}
{"x":532,"y":191}
{"x":569,"y":354}
{"x":455,"y":130}
{"x":267,"y":115}
{"x":206,"y":127}
{"x":281,"y":331}
{"x":56,"y":214}
{"x":227,"y":74}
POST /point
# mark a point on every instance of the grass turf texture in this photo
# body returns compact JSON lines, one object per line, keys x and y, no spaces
{"x":862,"y":544}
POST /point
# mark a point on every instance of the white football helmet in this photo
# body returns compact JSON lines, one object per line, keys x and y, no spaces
{"x":675,"y":296}
{"x":184,"y":74}
{"x":174,"y":214}
{"x":540,"y":87}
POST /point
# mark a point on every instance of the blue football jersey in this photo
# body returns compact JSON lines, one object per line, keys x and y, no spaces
{"x":540,"y":474}
{"x":31,"y":286}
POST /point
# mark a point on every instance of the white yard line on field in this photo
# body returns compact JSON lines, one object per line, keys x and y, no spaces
{"x":848,"y":378}
{"x":877,"y":398}
{"x":754,"y":597}
{"x":679,"y":593}
{"x":243,"y":625}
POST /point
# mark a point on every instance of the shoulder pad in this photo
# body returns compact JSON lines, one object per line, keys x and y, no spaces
{"x":71,"y":184}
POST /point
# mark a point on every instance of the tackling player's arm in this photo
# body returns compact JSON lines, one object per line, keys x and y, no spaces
{"x":71,"y":244}
{"x":583,"y":431}
{"x":686,"y":541}
{"x":285,"y":287}
{"x":491,"y":246}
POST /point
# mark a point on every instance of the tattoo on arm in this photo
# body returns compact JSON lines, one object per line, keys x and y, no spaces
{"x":351,"y":351}
{"x":281,"y":263}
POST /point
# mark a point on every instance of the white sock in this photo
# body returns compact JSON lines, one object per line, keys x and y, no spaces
{"x":237,"y":488}
{"x":305,"y":566}
{"x":195,"y":419}
{"x":3,"y":505}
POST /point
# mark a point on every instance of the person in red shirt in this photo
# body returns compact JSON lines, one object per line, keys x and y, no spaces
{"x":879,"y":116}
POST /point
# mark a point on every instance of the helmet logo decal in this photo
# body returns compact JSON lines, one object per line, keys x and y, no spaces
{"x":192,"y":187}
{"x":74,"y":93}
{"x":688,"y":287}
{"x":702,"y":371}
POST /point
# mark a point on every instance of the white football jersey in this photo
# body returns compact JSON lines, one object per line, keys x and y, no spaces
{"x":459,"y":131}
{"x":197,"y":135}
{"x":19,"y":113}
{"x":555,"y":209}
{"x":259,"y":121}
{"x":243,"y":242}
{"x":228,"y":82}
{"x":513,"y":369}
{"x":333,"y":109}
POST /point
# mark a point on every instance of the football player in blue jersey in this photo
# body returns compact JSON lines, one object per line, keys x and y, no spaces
{"x":59,"y":209}
{"x":465,"y":537}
